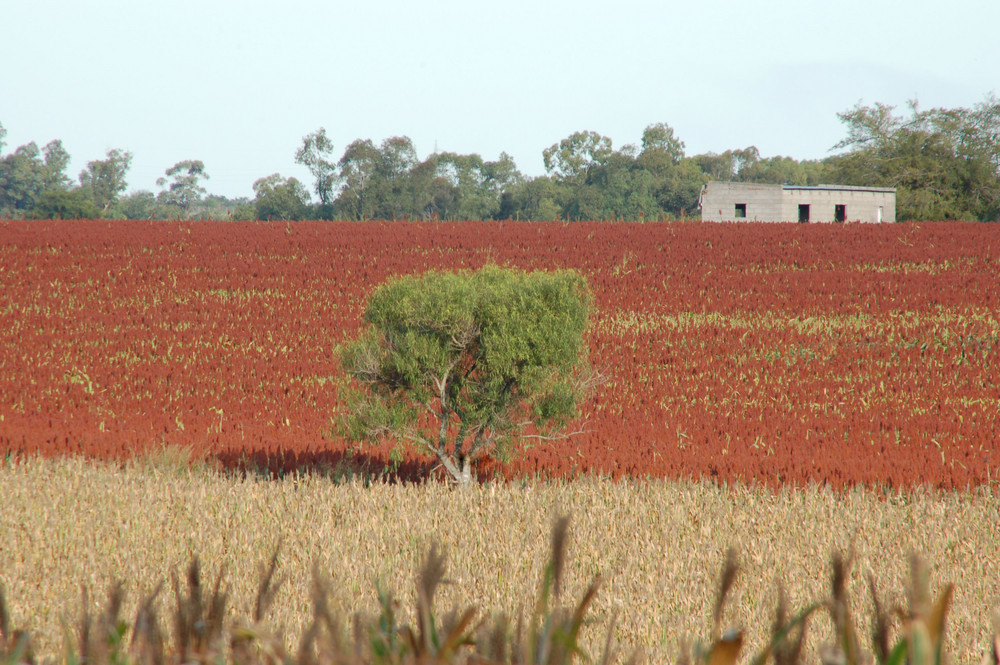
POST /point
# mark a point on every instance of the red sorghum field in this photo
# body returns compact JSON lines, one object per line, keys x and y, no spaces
{"x":775,"y":354}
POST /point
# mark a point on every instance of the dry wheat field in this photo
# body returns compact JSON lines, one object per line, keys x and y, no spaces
{"x":659,"y":545}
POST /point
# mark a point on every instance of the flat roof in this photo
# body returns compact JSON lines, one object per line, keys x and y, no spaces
{"x":838,"y":188}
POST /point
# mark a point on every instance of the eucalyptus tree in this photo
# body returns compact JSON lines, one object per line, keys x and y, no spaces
{"x":104,"y":179}
{"x":28,"y":172}
{"x":315,"y":154}
{"x":357,"y":198}
{"x":184,"y":188}
{"x":944,"y":163}
{"x":280,"y":198}
{"x":570,"y":158}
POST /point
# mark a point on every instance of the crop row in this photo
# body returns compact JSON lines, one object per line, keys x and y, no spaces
{"x":771,"y":353}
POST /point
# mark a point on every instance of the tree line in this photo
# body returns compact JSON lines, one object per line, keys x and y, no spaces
{"x":944,"y":164}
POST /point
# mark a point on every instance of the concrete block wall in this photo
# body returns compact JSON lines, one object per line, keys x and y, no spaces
{"x":861,"y":205}
{"x":780,"y":203}
{"x":719,"y":200}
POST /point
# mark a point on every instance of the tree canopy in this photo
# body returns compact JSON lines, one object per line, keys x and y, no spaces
{"x":104,"y":179}
{"x":943,"y":162}
{"x":280,"y":198}
{"x":184,"y":188}
{"x":461,"y":365}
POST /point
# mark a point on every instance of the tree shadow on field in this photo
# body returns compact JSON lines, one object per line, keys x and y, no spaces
{"x":340,"y":466}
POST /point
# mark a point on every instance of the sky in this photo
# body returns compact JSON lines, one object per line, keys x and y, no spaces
{"x":239,"y":83}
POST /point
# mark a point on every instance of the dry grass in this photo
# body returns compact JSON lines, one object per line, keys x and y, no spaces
{"x":659,"y":546}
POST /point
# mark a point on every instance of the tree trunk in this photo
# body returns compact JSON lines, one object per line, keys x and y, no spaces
{"x":460,"y":468}
{"x":466,"y":479}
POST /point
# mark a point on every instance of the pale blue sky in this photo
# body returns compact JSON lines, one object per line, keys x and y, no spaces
{"x":238,"y":83}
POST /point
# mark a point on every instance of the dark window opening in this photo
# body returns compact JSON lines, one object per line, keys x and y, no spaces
{"x":839,"y":213}
{"x":741,"y":210}
{"x":803,"y":212}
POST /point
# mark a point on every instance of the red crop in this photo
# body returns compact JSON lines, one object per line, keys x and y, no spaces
{"x":777,"y":354}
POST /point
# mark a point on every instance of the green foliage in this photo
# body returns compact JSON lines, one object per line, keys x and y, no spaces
{"x":944,"y":163}
{"x":357,"y":168}
{"x":139,"y":205}
{"x":574,"y":155}
{"x":280,"y":198}
{"x":104,"y":179}
{"x":314,"y":155}
{"x":28,"y":172}
{"x":184,"y":188}
{"x":244,"y":212}
{"x":460,"y":364}
{"x":539,"y":199}
{"x":390,"y":185}
{"x":55,"y":203}
{"x":455,"y":186}
{"x":659,"y":139}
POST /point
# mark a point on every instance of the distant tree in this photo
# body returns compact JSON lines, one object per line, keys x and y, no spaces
{"x":244,"y":212}
{"x":944,"y":163}
{"x":377,"y":182}
{"x":785,"y":171}
{"x":280,"y":198}
{"x":451,"y":186}
{"x":462,"y":190}
{"x":678,"y":189}
{"x":19,"y":181}
{"x":184,"y":188}
{"x":53,"y":173}
{"x":28,"y":172}
{"x":618,"y":188}
{"x":315,"y":154}
{"x":570,"y":158}
{"x":56,"y":203}
{"x":540,"y":199}
{"x":357,"y":166}
{"x":395,"y":195}
{"x":659,"y":140}
{"x":460,"y":365}
{"x":105,"y":180}
{"x":501,"y":175}
{"x":869,"y":127}
{"x":215,"y":206}
{"x":140,"y":204}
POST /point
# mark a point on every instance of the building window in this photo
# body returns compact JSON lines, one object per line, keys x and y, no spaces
{"x":803,"y":212}
{"x":839,"y":213}
{"x":741,"y":211}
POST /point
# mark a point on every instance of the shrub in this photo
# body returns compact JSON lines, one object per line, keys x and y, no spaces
{"x":461,"y":365}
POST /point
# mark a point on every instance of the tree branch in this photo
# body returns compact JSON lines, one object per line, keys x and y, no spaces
{"x":442,"y":386}
{"x":481,"y":442}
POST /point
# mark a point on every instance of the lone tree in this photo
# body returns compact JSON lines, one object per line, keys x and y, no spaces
{"x":462,"y":365}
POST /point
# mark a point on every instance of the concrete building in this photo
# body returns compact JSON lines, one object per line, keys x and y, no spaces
{"x":748,"y":202}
